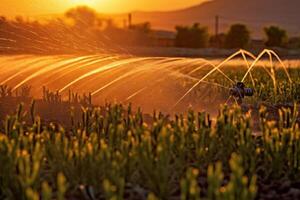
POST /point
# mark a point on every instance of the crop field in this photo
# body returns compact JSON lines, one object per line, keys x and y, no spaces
{"x":121,"y":127}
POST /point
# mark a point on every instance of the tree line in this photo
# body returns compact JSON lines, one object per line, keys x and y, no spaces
{"x":82,"y":30}
{"x":238,"y":36}
{"x":79,"y":30}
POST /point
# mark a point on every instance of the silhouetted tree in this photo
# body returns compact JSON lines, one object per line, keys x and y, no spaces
{"x":237,"y":37}
{"x":19,"y":19}
{"x":276,"y":37}
{"x":192,"y":37}
{"x":83,"y":17}
{"x":88,"y":33}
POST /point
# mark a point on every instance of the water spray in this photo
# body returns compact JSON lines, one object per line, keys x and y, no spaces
{"x":239,"y":92}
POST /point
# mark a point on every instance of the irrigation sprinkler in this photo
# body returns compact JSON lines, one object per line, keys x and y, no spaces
{"x":239,"y":92}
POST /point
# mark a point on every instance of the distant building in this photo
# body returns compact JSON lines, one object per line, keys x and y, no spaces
{"x":163,"y":38}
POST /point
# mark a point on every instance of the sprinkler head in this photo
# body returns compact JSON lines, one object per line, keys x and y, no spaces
{"x":239,"y":91}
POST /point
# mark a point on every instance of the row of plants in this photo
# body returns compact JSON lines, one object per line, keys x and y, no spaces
{"x":114,"y":152}
{"x":73,"y":98}
{"x":24,"y":94}
{"x":269,"y":88}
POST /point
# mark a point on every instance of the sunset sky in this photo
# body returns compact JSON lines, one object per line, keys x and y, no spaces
{"x":40,"y":7}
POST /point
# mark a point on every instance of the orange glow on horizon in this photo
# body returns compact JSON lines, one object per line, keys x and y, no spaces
{"x":45,"y":7}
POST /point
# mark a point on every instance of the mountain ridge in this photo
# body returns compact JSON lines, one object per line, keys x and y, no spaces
{"x":254,"y":13}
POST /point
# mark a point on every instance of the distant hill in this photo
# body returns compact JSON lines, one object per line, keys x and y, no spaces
{"x":255,"y":13}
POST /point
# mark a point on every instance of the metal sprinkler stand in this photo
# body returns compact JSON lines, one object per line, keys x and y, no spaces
{"x":239,"y":92}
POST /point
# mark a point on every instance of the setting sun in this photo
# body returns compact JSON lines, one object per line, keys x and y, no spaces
{"x":83,"y":2}
{"x":41,"y":7}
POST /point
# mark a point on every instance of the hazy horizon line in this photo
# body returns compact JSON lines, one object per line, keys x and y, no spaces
{"x":105,"y":12}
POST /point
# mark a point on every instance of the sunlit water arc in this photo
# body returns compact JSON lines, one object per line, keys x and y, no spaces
{"x":162,"y":83}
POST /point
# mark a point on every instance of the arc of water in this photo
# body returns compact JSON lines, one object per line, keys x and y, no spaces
{"x":212,"y":65}
{"x":273,"y":72}
{"x":254,"y":58}
{"x":138,"y":74}
{"x":37,"y":37}
{"x":165,"y":68}
{"x":11,"y":58}
{"x":198,"y":68}
{"x":161,"y":67}
{"x":180,"y":75}
{"x":48,"y":42}
{"x":162,"y":79}
{"x":7,"y":40}
{"x":159,"y":80}
{"x":170,"y":63}
{"x":248,"y":66}
{"x":89,"y":63}
{"x":226,"y":102}
{"x":135,"y":93}
{"x":206,"y":63}
{"x":78,"y":37}
{"x":28,"y":67}
{"x":282,"y":64}
{"x":208,"y":74}
{"x":115,"y":81}
{"x":265,"y":51}
{"x":56,"y":72}
{"x":160,"y":60}
{"x":16,"y":61}
{"x":179,"y":61}
{"x":25,"y":38}
{"x":244,"y":54}
{"x":3,"y":62}
{"x":80,"y":60}
{"x":103,"y":68}
{"x":135,"y":72}
{"x":45,"y":70}
{"x":270,"y":53}
{"x":254,"y":63}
